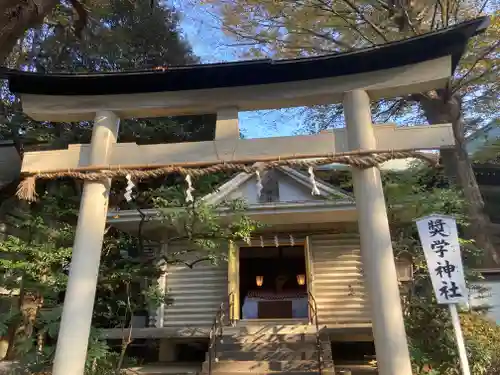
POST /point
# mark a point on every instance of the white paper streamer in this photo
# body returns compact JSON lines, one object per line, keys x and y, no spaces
{"x":315,"y":190}
{"x":276,"y":241}
{"x":259,"y":184}
{"x":292,"y":240}
{"x":261,"y":241}
{"x":129,"y":188}
{"x":190,"y":189}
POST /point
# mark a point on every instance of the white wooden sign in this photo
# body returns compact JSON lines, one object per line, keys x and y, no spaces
{"x":439,"y":238}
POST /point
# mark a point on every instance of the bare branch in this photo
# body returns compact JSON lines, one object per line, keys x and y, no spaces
{"x":481,"y":57}
{"x":191,"y":264}
{"x":434,"y":16}
{"x":391,"y":111}
{"x":482,"y":8}
{"x":361,"y":14}
{"x":81,"y":22}
{"x":328,"y":38}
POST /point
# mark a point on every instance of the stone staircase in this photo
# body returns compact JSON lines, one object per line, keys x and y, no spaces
{"x":269,"y":349}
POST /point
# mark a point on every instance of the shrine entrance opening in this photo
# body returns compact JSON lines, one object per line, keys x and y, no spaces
{"x":273,"y":283}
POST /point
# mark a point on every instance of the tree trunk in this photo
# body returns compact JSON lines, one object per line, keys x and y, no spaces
{"x":17,"y":16}
{"x":442,"y":107}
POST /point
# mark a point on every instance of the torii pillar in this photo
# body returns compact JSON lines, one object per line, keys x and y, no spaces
{"x":379,"y":268}
{"x":72,"y":342}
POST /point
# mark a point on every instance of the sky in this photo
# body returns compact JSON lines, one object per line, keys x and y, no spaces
{"x":202,"y":28}
{"x":203,"y":31}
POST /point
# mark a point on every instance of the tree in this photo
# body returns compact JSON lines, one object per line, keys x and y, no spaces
{"x":411,"y":194}
{"x":17,"y":18}
{"x":416,"y":193}
{"x":119,"y":34}
{"x":35,"y":257}
{"x":315,"y":27}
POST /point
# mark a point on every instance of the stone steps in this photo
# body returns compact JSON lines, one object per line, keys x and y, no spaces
{"x":262,"y":366}
{"x":268,"y":338}
{"x":269,"y":346}
{"x":268,"y":355}
{"x":324,"y":372}
{"x":269,"y":329}
{"x":269,"y":349}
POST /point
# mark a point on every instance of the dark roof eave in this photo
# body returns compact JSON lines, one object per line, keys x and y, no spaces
{"x":450,"y":41}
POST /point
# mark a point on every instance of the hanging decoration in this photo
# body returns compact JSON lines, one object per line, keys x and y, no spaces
{"x":129,"y":188}
{"x":261,"y":241}
{"x":248,"y":240}
{"x":292,"y":240}
{"x":189,"y":190}
{"x":301,"y":279}
{"x":359,"y":159}
{"x":276,"y":241}
{"x":312,"y":179}
{"x":259,"y":184}
{"x":259,"y":280}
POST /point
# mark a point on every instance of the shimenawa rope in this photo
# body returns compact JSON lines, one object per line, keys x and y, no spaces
{"x":27,"y":188}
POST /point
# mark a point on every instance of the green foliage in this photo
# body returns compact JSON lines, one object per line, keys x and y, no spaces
{"x":410,"y":194}
{"x":119,"y":35}
{"x":202,"y":228}
{"x":482,"y":336}
{"x":123,"y":275}
{"x":416,"y":193}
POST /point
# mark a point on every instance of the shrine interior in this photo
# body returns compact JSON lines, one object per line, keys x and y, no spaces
{"x":273,"y":283}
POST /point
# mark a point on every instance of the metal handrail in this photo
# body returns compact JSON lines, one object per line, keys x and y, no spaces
{"x":218,"y":329}
{"x":314,"y":320}
{"x":231,"y":314}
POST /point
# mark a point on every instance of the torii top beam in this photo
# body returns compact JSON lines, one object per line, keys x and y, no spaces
{"x":414,"y":65}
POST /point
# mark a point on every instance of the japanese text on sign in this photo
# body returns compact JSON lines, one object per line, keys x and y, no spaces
{"x":439,"y":238}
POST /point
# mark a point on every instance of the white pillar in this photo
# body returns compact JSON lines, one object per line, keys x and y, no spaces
{"x":379,"y":267}
{"x":74,"y":332}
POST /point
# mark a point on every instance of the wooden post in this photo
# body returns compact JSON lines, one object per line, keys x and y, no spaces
{"x":233,"y":281}
{"x":72,"y":342}
{"x":379,"y":267}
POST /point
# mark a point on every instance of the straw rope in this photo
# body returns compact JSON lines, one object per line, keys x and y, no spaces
{"x":27,"y":188}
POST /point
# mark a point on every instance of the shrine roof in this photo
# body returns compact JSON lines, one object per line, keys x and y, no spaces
{"x":451,"y":41}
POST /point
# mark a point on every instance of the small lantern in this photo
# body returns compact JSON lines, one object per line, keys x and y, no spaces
{"x":301,"y":279}
{"x":259,"y":280}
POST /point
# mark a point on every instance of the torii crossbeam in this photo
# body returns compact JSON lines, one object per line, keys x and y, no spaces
{"x":415,"y":65}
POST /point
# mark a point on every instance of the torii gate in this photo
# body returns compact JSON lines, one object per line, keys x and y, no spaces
{"x":416,"y":65}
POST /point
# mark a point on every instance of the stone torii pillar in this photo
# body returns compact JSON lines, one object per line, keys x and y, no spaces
{"x":72,"y":343}
{"x":379,"y":268}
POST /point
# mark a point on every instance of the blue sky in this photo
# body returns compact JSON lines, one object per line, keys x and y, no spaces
{"x":204,"y":33}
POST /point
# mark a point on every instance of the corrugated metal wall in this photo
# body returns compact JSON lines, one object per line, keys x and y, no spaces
{"x":338,"y":285}
{"x":197,"y":294}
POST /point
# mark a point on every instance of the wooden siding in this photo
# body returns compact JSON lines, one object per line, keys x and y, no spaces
{"x":337,"y":282}
{"x":197,"y":294}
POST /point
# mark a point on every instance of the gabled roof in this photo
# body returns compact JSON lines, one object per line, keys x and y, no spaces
{"x":326,"y":190}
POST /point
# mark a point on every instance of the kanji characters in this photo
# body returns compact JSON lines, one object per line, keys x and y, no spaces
{"x":436,"y":227}
{"x":446,"y":269}
{"x":439,"y":247}
{"x":450,"y":290}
